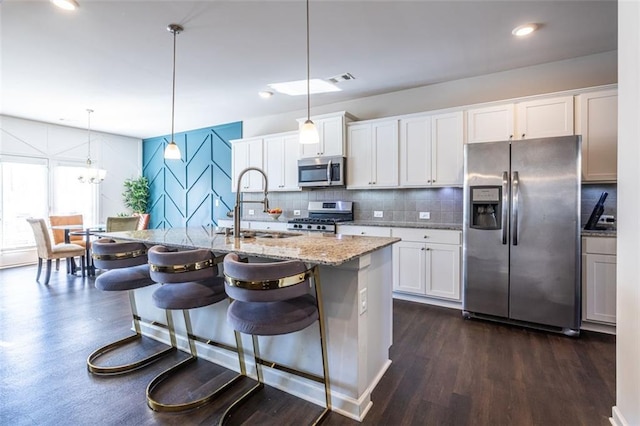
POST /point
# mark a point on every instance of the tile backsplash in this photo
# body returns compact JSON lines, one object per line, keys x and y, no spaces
{"x":398,"y":205}
{"x":403,"y":205}
{"x":590,"y":195}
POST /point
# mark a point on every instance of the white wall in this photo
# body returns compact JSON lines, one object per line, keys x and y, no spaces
{"x":627,"y":409}
{"x":121,"y":156}
{"x":587,"y":71}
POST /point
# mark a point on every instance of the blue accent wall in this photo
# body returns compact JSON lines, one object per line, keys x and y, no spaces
{"x":184,"y":192}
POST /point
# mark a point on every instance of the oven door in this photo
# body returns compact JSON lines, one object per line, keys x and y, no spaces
{"x":321,"y":172}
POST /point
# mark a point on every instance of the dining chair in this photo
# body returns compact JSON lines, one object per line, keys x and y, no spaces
{"x":48,"y":251}
{"x":122,"y":223}
{"x":143,"y":222}
{"x":61,"y":220}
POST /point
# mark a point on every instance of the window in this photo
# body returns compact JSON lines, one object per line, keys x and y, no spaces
{"x":70,"y":196}
{"x":24,"y":193}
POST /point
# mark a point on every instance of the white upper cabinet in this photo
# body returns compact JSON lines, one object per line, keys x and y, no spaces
{"x":331,"y":129}
{"x":544,"y":118}
{"x":539,"y":118}
{"x":246,"y":153}
{"x":597,"y":122}
{"x":372,"y":154}
{"x":447,"y":149}
{"x":431,"y":150}
{"x":281,"y":161}
{"x":490,"y":124}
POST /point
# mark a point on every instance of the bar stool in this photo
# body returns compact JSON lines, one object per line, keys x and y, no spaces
{"x":127,"y":270}
{"x":272,"y":299}
{"x":190,"y":280}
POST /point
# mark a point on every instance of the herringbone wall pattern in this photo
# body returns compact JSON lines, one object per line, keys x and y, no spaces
{"x":195,"y":190}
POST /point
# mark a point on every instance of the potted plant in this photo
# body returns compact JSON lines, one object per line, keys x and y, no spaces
{"x":136,"y":194}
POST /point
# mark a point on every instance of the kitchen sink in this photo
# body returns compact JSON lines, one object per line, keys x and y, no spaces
{"x":276,"y":235}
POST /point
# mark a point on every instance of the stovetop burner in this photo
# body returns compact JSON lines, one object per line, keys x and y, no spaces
{"x":323,"y":215}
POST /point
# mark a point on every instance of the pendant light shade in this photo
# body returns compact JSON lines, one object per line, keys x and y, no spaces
{"x":172,"y":151}
{"x":308,"y":131}
{"x":91,"y":174}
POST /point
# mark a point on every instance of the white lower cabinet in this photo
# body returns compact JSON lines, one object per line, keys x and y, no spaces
{"x":427,"y":263}
{"x":367,"y":231}
{"x":599,"y":280}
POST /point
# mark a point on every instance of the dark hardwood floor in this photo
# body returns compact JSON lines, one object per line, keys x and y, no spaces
{"x":445,"y":370}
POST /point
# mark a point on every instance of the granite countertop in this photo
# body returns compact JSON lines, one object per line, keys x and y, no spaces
{"x":610,"y":233}
{"x":310,"y":247}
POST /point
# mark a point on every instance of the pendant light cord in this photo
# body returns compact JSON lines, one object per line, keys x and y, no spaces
{"x":173,"y":91}
{"x":308,"y":73}
{"x":89,"y":111}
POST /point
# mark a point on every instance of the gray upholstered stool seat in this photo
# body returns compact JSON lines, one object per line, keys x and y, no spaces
{"x":190,"y":280}
{"x":124,"y":279}
{"x":190,"y":295}
{"x":273,"y":318}
{"x":127,"y":270}
{"x":271,"y":299}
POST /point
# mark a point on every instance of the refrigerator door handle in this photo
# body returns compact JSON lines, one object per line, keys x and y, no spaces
{"x":505,"y":204}
{"x":516,"y":196}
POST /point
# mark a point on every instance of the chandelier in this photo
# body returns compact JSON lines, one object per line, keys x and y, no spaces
{"x":91,"y":173}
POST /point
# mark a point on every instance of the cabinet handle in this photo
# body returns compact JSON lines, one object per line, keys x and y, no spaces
{"x":425,"y":236}
{"x":427,"y":249}
{"x":434,"y":181}
{"x":423,"y":249}
{"x":523,"y":136}
{"x":362,"y":233}
{"x":429,"y":181}
{"x":510,"y":137}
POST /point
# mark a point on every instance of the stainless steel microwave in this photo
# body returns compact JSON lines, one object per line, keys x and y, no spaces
{"x":321,"y":172}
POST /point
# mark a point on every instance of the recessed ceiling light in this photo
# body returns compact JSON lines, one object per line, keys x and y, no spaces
{"x":524,"y":30}
{"x":265,"y":94}
{"x":295,"y":88}
{"x":66,"y":4}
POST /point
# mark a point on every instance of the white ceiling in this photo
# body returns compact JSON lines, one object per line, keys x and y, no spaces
{"x":116,"y":56}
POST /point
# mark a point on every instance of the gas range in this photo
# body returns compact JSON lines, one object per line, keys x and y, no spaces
{"x":323,"y":216}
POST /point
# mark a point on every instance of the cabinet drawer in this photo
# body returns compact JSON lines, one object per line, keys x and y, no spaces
{"x":599,"y":245}
{"x":369,"y":231}
{"x":437,"y":236}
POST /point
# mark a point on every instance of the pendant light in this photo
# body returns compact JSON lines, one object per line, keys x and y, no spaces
{"x":308,"y":131}
{"x":172,"y":151}
{"x":91,"y":174}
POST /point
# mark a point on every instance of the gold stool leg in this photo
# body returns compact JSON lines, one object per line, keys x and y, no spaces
{"x":238,"y":402}
{"x":154,"y":404}
{"x":124,"y":368}
{"x":323,"y":345}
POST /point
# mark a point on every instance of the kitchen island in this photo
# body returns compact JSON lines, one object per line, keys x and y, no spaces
{"x":356,"y":279}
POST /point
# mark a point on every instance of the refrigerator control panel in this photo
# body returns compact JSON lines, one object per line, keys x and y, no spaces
{"x":486,"y":194}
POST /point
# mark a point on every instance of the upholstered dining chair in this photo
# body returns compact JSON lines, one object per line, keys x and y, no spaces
{"x":58,"y":234}
{"x":122,"y":223}
{"x":144,"y":219}
{"x":48,"y":251}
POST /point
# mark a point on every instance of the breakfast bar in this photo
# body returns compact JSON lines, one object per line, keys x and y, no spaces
{"x":356,"y":280}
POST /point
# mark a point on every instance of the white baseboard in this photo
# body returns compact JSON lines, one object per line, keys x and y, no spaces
{"x":428,"y":300}
{"x":597,"y":327}
{"x":617,"y":419}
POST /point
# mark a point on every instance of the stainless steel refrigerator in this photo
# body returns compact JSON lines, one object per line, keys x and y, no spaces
{"x":521,"y":260}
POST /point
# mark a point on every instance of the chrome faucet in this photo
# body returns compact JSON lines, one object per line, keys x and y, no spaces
{"x":237,"y":210}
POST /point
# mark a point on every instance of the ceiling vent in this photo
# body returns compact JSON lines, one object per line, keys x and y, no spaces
{"x":341,"y":77}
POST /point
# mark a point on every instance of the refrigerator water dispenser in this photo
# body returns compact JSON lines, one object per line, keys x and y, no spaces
{"x":485,"y":207}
